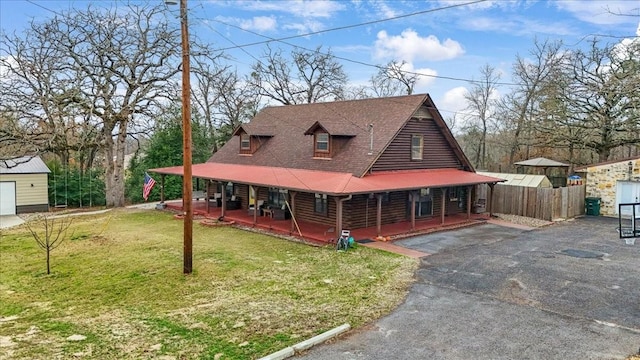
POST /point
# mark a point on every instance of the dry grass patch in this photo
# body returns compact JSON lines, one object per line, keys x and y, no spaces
{"x":119,"y":283}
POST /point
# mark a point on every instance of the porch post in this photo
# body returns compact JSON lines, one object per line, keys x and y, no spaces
{"x":338,"y":215}
{"x":379,"y":214}
{"x":413,"y":194}
{"x":444,"y":204}
{"x":162,"y":188}
{"x":224,"y":199}
{"x":206,"y":195}
{"x":469,"y":201}
{"x":292,"y":205}
{"x":255,"y":203}
{"x":339,"y":202}
{"x":490,"y":199}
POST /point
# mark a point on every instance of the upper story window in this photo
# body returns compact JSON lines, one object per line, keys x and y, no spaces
{"x":322,"y":142}
{"x":417,"y":143}
{"x":245,"y":141}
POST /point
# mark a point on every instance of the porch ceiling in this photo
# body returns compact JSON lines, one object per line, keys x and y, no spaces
{"x":332,"y":183}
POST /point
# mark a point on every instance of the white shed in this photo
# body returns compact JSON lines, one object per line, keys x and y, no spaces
{"x":23,"y":186}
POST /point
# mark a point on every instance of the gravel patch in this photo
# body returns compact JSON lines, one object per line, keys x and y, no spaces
{"x":523,"y":220}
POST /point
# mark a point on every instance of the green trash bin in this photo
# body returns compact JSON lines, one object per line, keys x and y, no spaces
{"x":592,"y":206}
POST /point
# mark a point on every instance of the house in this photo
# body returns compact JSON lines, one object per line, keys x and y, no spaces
{"x":614,"y":182}
{"x":23,"y":186}
{"x":344,"y":165}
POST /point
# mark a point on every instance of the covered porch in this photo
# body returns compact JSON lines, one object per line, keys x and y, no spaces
{"x":323,"y":234}
{"x":308,"y":218}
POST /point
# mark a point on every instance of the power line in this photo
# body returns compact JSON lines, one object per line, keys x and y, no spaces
{"x":43,"y":7}
{"x":354,"y":25}
{"x":379,"y":67}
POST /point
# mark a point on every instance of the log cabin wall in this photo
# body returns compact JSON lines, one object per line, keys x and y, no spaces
{"x":242,"y":191}
{"x":361,"y":211}
{"x":436,"y":153}
{"x":305,"y":210}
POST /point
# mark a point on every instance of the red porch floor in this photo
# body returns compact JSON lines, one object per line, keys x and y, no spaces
{"x":324,"y":234}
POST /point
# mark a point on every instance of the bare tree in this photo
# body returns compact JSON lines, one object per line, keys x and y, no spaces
{"x":603,"y":99}
{"x":314,"y":77}
{"x":237,"y":103}
{"x":38,"y":87}
{"x":55,"y":232}
{"x":206,"y":93}
{"x":531,"y":74}
{"x":481,"y":103}
{"x":392,"y":80}
{"x":113,"y":64}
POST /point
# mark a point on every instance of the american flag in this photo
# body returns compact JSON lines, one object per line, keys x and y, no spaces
{"x":148,"y":185}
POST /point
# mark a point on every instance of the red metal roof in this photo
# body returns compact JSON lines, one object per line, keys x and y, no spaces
{"x":332,"y":183}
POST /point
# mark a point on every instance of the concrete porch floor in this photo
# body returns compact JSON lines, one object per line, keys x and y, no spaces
{"x":327,"y":234}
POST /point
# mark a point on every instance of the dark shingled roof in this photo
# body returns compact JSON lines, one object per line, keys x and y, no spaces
{"x":291,"y":148}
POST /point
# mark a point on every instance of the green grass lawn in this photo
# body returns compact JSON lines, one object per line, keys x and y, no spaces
{"x":118,"y":281}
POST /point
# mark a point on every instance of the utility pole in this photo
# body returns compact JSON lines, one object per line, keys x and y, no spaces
{"x":186,"y":142}
{"x":187,"y":182}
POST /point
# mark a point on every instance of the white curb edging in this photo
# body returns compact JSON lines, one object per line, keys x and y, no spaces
{"x":279,"y":355}
{"x":304,"y":345}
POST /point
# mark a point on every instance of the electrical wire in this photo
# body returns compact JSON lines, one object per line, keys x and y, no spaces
{"x":357,"y":25}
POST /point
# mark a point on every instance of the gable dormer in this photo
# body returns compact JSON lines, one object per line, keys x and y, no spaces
{"x":327,"y":141}
{"x":250,"y":138}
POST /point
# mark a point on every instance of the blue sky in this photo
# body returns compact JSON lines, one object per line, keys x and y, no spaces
{"x":449,"y":42}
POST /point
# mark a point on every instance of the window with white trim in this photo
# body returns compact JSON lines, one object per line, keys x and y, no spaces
{"x":322,"y":142}
{"x":417,"y":142}
{"x":245,"y":142}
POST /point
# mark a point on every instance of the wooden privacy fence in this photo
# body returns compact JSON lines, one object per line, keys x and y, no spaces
{"x":539,"y":203}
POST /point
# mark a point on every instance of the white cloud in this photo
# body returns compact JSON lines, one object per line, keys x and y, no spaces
{"x":601,"y":12}
{"x":259,"y":23}
{"x":516,"y":25}
{"x":305,"y":27}
{"x":423,"y":81}
{"x":302,"y":8}
{"x":452,"y":106}
{"x":453,"y":100}
{"x":383,"y":9}
{"x":409,"y":46}
{"x":7,"y":62}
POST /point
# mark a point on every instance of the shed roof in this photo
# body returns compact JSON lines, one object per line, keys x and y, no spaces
{"x":527,"y":180}
{"x":328,"y":182}
{"x":23,"y":165}
{"x":541,"y":162}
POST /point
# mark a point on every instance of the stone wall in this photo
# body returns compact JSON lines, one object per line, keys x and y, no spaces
{"x":602,"y":182}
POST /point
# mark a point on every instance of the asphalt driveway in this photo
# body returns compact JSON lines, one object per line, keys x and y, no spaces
{"x":491,"y":292}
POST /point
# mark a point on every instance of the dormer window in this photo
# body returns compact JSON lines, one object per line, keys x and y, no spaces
{"x":322,"y":142}
{"x":245,"y":141}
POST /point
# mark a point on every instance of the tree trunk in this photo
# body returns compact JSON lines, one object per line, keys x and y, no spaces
{"x":114,"y":165}
{"x":48,"y":251}
{"x":603,"y":155}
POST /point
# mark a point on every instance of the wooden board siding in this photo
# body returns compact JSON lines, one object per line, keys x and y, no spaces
{"x":26,"y":195}
{"x":305,"y":203}
{"x":437,"y":153}
{"x":361,"y":211}
{"x":242,"y":191}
